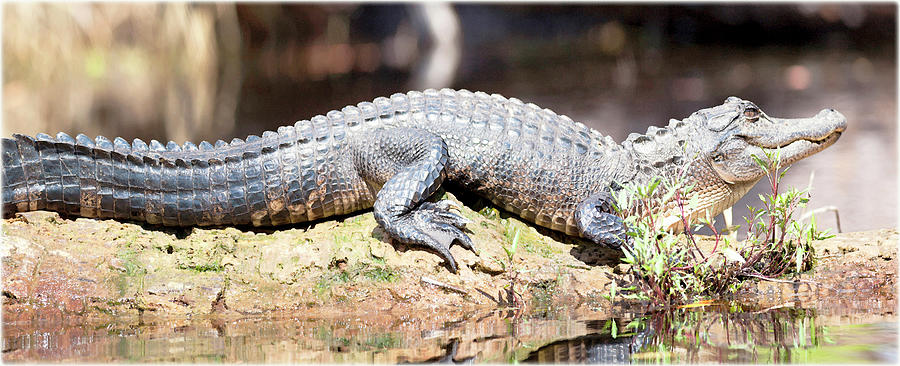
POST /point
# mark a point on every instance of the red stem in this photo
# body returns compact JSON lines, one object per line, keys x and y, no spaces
{"x":687,"y":228}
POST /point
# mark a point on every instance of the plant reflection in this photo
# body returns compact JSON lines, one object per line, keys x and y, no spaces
{"x":725,"y":334}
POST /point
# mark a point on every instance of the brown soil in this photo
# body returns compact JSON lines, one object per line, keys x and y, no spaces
{"x":74,"y":270}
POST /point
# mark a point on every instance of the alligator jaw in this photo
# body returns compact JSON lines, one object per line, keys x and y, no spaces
{"x":800,"y":149}
{"x":798,"y":138}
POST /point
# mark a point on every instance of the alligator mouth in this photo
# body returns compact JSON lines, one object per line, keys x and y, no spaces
{"x":825,"y":141}
{"x":801,"y":137}
{"x":800,"y":149}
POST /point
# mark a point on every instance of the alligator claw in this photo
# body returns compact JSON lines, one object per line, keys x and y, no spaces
{"x":440,"y":229}
{"x":448,"y":205}
{"x":442,"y":213}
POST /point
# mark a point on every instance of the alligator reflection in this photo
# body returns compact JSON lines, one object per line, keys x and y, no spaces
{"x":722,"y":335}
{"x":866,"y":332}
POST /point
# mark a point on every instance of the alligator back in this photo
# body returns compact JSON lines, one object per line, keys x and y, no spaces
{"x":528,"y":160}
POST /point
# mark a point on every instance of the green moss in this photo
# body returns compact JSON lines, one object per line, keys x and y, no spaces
{"x":133,"y":276}
{"x":214,"y":266}
{"x":328,"y":280}
{"x":382,"y":341}
{"x":529,"y":239}
{"x":490,"y":213}
{"x":542,"y":293}
{"x":358,"y":272}
{"x":381,"y":274}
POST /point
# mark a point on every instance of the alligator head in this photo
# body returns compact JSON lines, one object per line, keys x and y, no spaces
{"x":713,"y":149}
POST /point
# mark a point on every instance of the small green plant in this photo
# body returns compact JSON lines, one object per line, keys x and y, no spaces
{"x":777,"y":244}
{"x":667,"y":271}
{"x":671,"y":269}
{"x":512,"y":273}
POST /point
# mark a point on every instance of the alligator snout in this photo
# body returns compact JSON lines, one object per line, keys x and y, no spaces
{"x":833,"y":118}
{"x":781,"y":132}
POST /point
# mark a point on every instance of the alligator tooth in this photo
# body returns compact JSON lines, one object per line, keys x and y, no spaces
{"x":220,"y":143}
{"x":63,"y":137}
{"x":83,"y":140}
{"x":138,"y":145}
{"x":172,"y":146}
{"x":189,"y":146}
{"x":156,"y":146}
{"x":204,"y":145}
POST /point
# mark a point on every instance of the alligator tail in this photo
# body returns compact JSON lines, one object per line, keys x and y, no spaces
{"x":102,"y":179}
{"x":258,"y":181}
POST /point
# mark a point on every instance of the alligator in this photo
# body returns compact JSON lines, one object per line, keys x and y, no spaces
{"x":393,"y":154}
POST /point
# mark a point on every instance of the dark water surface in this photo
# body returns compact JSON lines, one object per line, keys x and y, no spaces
{"x":718,"y":333}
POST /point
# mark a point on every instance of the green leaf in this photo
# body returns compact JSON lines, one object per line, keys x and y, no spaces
{"x":658,"y":266}
{"x":634,"y":324}
{"x":652,"y":186}
{"x":732,"y":255}
{"x":515,"y":241}
{"x":614,"y":330}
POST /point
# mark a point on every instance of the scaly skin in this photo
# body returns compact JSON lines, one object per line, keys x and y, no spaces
{"x":392,"y":155}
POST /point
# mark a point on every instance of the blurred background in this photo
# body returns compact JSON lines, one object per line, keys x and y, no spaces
{"x":216,"y":71}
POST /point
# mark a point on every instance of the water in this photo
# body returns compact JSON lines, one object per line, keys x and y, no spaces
{"x":718,"y":333}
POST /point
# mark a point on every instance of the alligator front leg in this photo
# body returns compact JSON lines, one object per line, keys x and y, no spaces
{"x":597,"y":221}
{"x":409,"y":165}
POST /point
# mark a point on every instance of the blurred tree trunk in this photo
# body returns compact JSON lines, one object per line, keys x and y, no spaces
{"x":163,"y":71}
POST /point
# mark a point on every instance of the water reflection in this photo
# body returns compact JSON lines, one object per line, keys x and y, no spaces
{"x":717,"y":334}
{"x":784,"y":335}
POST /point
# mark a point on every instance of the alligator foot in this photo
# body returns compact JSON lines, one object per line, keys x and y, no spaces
{"x":413,"y":162}
{"x":597,"y":222}
{"x":434,"y":226}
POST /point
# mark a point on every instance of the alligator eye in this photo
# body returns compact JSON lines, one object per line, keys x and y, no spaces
{"x":751,"y":113}
{"x":718,"y":157}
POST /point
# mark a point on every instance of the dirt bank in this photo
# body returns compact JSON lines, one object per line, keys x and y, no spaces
{"x":60,"y":269}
